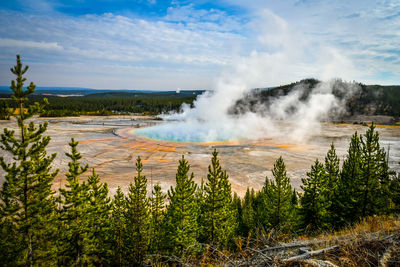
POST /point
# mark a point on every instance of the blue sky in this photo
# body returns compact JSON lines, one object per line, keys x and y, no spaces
{"x":170,"y":44}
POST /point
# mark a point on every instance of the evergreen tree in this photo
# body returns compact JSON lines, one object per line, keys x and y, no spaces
{"x":98,"y":221}
{"x":332,"y":175}
{"x":237,"y":205}
{"x":137,"y":218}
{"x":157,"y":219}
{"x":27,"y":207}
{"x":248,"y":223}
{"x":182,"y":211}
{"x":374,"y":175}
{"x":4,"y":110}
{"x":332,"y":170}
{"x":394,"y":189}
{"x":279,"y":197}
{"x":218,"y":213}
{"x":263,"y":206}
{"x":118,"y":228}
{"x":313,"y":202}
{"x":295,"y":200}
{"x":74,"y":206}
{"x":200,"y":198}
{"x":349,"y":184}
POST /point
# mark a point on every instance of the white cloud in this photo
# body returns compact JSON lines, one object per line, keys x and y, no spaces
{"x":120,"y":41}
{"x":4,"y":42}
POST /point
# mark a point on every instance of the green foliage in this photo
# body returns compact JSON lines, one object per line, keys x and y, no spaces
{"x":374,"y":175}
{"x":262,"y":206}
{"x":182,"y":212}
{"x":27,"y":208}
{"x":73,"y":242}
{"x":99,"y":243}
{"x":157,"y":219}
{"x":237,"y":206}
{"x":4,"y":110}
{"x":349,"y":183}
{"x":118,"y":228}
{"x":219,"y":222}
{"x":279,"y":196}
{"x":314,"y":203}
{"x":332,"y":169}
{"x":137,"y":219}
{"x":103,"y":104}
{"x":247,"y":223}
{"x":394,"y":189}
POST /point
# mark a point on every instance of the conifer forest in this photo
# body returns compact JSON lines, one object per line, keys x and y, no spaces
{"x":82,"y":224}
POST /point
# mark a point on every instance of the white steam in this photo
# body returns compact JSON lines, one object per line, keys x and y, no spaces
{"x":284,"y":54}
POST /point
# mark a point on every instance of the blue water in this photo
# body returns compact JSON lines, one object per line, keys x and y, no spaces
{"x":185,"y":132}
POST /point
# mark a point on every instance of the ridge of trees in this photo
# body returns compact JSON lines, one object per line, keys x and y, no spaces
{"x":81,"y":226}
{"x":107,"y":103}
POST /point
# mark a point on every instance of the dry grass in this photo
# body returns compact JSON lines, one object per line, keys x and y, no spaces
{"x":373,"y":242}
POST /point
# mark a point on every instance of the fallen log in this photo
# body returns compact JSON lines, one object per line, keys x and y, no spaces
{"x":311,"y":254}
{"x":286,"y":247}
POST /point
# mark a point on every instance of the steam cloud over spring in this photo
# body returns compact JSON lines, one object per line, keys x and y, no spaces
{"x":287,"y":117}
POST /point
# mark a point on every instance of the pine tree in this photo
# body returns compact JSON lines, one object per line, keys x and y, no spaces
{"x":394,"y":189}
{"x":218,"y":213}
{"x":295,"y":199}
{"x":200,"y":198}
{"x":279,"y":197}
{"x":157,"y":219}
{"x":332,"y":175}
{"x":313,"y":202}
{"x":118,"y":228}
{"x":182,"y":212}
{"x":349,"y":182}
{"x":237,"y":204}
{"x":248,"y":223}
{"x":99,"y":208}
{"x":263,"y":206}
{"x":374,"y":175}
{"x":4,"y":110}
{"x":27,"y":207}
{"x":137,"y":218}
{"x":74,"y":207}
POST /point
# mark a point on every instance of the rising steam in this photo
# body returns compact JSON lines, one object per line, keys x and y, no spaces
{"x":290,"y":117}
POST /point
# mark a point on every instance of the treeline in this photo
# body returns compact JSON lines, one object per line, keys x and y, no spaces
{"x":80,"y":225}
{"x":109,"y":103}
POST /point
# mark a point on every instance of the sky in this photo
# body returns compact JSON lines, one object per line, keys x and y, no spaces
{"x":179,"y":44}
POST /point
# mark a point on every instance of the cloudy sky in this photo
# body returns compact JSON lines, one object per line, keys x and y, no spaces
{"x":170,"y":44}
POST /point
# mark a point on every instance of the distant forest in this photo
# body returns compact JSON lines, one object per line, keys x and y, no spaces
{"x":367,"y":100}
{"x":107,"y":103}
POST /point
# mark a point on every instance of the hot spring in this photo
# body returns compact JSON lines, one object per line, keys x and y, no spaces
{"x":194,"y":132}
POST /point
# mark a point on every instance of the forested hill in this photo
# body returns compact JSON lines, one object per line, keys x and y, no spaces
{"x":366,"y":100}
